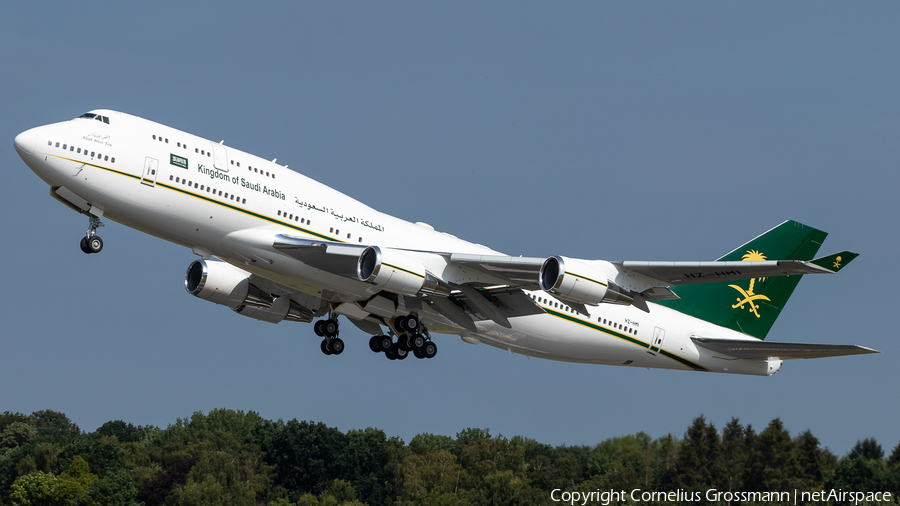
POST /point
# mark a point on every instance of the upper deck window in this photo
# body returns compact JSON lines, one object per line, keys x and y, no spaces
{"x":90,"y":115}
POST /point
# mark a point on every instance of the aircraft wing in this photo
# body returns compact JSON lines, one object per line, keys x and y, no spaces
{"x":783,"y":351}
{"x":524,"y":271}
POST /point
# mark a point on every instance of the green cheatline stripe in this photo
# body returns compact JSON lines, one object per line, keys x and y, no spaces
{"x":586,"y":278}
{"x":624,"y":337}
{"x":402,"y":270}
{"x":213,"y":201}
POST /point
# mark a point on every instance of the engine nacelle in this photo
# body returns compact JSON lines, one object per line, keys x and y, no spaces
{"x":282,"y":309}
{"x":224,"y":284}
{"x":392,"y":271}
{"x":576,"y":280}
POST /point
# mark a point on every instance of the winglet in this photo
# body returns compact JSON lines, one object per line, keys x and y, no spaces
{"x":835,"y":262}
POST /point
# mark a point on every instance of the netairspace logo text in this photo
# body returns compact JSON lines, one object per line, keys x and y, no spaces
{"x":607,"y":497}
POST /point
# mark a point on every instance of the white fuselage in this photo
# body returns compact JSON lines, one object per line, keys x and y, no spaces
{"x":219,"y":201}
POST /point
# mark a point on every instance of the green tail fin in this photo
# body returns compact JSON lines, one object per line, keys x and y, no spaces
{"x":751,"y":306}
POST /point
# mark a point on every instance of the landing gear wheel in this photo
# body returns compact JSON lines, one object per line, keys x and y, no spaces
{"x":418,"y":354}
{"x":400,"y":324}
{"x":325,"y":348}
{"x":330,"y":328}
{"x":94,"y":244}
{"x":412,"y":324}
{"x":429,"y":350}
{"x":84,"y":245}
{"x":385,"y":343}
{"x":337,"y":346}
{"x":389,"y":353}
{"x":374,"y":343}
{"x":399,"y":352}
{"x":417,"y":341}
{"x":318,"y":328}
{"x":403,"y":342}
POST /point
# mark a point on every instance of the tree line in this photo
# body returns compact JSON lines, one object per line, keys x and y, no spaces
{"x":230,"y":457}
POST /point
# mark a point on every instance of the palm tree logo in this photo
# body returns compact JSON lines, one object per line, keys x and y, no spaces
{"x":748,"y":295}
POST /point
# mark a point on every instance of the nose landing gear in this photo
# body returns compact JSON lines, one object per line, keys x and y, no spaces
{"x":91,"y":242}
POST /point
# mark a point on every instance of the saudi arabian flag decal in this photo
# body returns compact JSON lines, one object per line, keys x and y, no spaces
{"x":178,"y":161}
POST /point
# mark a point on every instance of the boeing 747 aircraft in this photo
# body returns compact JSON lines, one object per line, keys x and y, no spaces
{"x":277,"y":246}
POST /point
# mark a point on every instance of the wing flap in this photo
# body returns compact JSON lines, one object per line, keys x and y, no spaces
{"x":334,"y":257}
{"x":784,"y":351}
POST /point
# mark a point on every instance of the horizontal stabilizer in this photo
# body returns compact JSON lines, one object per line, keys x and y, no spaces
{"x":783,"y":351}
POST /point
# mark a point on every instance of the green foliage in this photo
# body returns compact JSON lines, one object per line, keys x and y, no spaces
{"x":430,"y":443}
{"x":123,"y":432}
{"x":867,"y":448}
{"x":42,"y":489}
{"x":236,"y":458}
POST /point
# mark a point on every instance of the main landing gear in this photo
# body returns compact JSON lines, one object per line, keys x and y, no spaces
{"x":332,"y":344}
{"x":409,"y":340}
{"x":91,"y":242}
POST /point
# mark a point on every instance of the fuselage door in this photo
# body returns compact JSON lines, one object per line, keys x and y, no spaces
{"x":220,"y":157}
{"x":659,"y":335}
{"x":151,"y":167}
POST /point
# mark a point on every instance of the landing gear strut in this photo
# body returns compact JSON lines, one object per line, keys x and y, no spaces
{"x":329,"y":329}
{"x":91,"y":242}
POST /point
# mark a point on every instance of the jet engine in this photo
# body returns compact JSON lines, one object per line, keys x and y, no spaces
{"x":578,"y":281}
{"x":224,"y":284}
{"x":392,"y":271}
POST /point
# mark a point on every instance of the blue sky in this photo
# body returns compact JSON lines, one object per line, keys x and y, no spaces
{"x":638,"y":131}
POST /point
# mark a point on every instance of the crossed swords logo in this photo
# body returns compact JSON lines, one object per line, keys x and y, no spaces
{"x":748,"y":295}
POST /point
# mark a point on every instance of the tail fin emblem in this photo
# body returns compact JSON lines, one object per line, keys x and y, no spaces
{"x":748,"y":295}
{"x":837,"y":263}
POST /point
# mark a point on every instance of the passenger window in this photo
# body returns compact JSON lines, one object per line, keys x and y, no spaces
{"x":71,"y":148}
{"x":267,"y":174}
{"x":232,"y":162}
{"x":196,"y":150}
{"x":255,"y":170}
{"x":57,"y":144}
{"x":154,"y":137}
{"x":279,"y":213}
{"x":49,"y":143}
{"x":171,"y":177}
{"x":92,"y":154}
{"x":167,"y":141}
{"x":65,"y":147}
{"x":348,"y":236}
{"x":113,"y":160}
{"x":244,"y":201}
{"x":177,"y":179}
{"x":106,"y":158}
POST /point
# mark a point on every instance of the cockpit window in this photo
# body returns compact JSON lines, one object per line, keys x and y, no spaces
{"x":90,"y":115}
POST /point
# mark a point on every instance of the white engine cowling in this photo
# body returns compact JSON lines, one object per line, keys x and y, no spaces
{"x":392,"y":271}
{"x":224,"y":284}
{"x":282,"y":309}
{"x":576,"y":280}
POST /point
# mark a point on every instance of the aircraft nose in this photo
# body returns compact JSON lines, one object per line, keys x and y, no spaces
{"x":25,"y":143}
